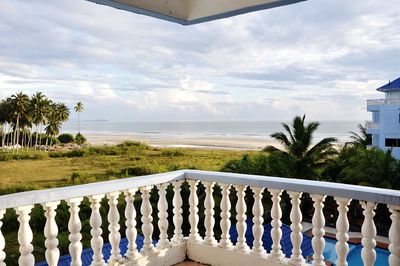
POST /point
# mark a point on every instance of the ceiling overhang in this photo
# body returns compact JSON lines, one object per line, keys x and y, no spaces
{"x":188,"y":12}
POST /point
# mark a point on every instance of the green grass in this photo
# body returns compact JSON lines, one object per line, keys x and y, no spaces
{"x":93,"y":165}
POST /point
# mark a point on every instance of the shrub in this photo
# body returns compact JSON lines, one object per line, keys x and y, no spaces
{"x":66,"y":138}
{"x":172,"y":153}
{"x":138,"y":170}
{"x":80,"y":139}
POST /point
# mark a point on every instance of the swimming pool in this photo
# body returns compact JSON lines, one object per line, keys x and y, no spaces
{"x":354,"y":256}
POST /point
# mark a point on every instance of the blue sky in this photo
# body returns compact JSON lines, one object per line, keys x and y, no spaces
{"x":322,"y":58}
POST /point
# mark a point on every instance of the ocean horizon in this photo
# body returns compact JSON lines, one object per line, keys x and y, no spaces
{"x":193,"y":129}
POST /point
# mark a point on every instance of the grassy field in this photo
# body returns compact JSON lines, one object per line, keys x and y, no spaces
{"x":95,"y":165}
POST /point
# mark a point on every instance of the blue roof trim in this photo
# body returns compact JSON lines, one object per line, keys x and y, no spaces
{"x":391,"y":86}
{"x":194,"y":21}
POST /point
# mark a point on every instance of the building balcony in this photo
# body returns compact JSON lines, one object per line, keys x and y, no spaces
{"x":383,"y":101}
{"x":175,"y":244}
{"x":371,"y":125}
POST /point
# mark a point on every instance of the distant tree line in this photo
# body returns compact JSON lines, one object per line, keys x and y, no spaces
{"x":20,"y":115}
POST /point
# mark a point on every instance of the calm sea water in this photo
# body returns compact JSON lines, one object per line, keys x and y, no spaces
{"x":235,"y":129}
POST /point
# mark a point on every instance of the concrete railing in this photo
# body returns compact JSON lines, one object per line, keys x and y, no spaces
{"x":383,"y":101}
{"x":169,"y":251}
{"x":371,"y":125}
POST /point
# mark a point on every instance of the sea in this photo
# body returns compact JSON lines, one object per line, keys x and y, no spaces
{"x":197,"y":129}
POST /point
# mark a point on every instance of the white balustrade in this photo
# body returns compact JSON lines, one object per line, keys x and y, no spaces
{"x":241,"y":225}
{"x":113,"y":219}
{"x":258,"y":220}
{"x":52,"y":253}
{"x":342,"y":227}
{"x":318,"y":222}
{"x":193,"y":209}
{"x":163,"y":216}
{"x":177,"y":210}
{"x":394,"y":235}
{"x":225,"y":241}
{"x":296,"y":236}
{"x":368,"y":231}
{"x":209,"y":220}
{"x":131,"y":232}
{"x":276,"y":231}
{"x":193,"y":247}
{"x":147,"y":219}
{"x":2,"y":240}
{"x":25,"y":236}
{"x":74,"y":227}
{"x":95,"y":222}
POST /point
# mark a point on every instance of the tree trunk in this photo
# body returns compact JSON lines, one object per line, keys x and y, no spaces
{"x":79,"y":122}
{"x":36,"y":139}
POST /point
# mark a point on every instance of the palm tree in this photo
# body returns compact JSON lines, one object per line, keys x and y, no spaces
{"x":20,"y":104}
{"x":362,"y":140}
{"x":79,"y":108}
{"x":39,"y":109}
{"x":58,"y":114}
{"x":304,"y":158}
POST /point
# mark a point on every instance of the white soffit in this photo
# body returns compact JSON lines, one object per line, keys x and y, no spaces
{"x":187,"y":12}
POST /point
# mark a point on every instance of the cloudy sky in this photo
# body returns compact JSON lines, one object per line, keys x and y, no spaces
{"x":322,"y":58}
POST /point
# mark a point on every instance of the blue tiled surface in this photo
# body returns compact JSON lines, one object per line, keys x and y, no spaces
{"x":285,"y":243}
{"x":391,"y":86}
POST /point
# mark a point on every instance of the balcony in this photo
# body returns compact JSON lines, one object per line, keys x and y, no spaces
{"x":383,"y":101}
{"x":372,"y":127}
{"x":176,"y":247}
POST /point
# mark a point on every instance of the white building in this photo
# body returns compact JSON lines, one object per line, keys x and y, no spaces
{"x":385,"y":124}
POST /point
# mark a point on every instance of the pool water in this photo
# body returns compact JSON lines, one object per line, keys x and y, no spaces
{"x":354,"y":256}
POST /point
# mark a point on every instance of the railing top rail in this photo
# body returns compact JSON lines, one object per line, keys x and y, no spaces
{"x":77,"y":191}
{"x":378,"y":195}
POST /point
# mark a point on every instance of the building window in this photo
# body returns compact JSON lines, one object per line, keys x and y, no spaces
{"x":392,"y":142}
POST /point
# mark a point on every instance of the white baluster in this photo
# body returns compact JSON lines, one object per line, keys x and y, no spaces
{"x":276,"y":231}
{"x":113,"y":219}
{"x":209,"y":220}
{"x":95,"y":222}
{"x":163,"y":216}
{"x":131,"y":232}
{"x":74,"y":227}
{"x":2,"y":240}
{"x":394,"y":236}
{"x":225,"y":223}
{"x":177,"y":210}
{"x":193,"y":217}
{"x":342,"y":227}
{"x":241,"y":225}
{"x":147,"y":219}
{"x":50,"y":231}
{"x":25,"y":236}
{"x":368,"y":231}
{"x":296,"y":236}
{"x":258,"y":220}
{"x":318,"y":221}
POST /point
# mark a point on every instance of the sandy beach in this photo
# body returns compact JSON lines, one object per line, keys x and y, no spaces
{"x":203,"y":142}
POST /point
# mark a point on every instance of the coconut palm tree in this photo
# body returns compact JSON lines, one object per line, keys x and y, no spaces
{"x":304,"y":157}
{"x":360,"y":140}
{"x":20,"y":104}
{"x":58,"y":114}
{"x":79,"y":108}
{"x":39,"y":109}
